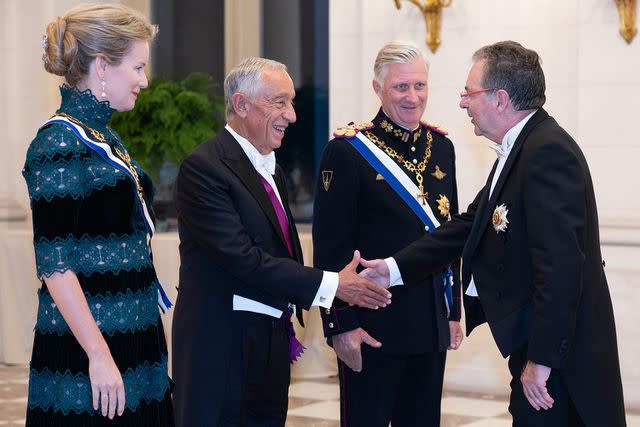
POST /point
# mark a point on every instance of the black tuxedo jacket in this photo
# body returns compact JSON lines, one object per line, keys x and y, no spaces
{"x":541,"y":281}
{"x":230,"y":243}
{"x":361,"y":211}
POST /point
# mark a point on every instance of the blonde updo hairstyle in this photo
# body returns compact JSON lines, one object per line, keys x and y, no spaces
{"x":88,"y":31}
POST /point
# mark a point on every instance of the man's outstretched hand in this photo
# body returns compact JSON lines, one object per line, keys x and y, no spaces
{"x":376,"y":270}
{"x":360,"y":291}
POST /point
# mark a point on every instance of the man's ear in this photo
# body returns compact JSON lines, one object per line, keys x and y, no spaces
{"x":503,"y":99}
{"x":377,"y":88}
{"x":239,"y":102}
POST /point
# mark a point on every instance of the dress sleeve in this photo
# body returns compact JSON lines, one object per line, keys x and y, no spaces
{"x":60,"y":172}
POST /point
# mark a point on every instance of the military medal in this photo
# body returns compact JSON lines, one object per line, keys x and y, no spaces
{"x":438,"y":173}
{"x":417,"y":169}
{"x":499,"y":218}
{"x":444,"y":206}
{"x":422,"y":195}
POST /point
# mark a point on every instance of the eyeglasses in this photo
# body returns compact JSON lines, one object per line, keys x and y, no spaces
{"x":466,"y":94}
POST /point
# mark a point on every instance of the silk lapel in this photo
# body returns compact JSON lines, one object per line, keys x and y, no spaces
{"x":486,"y":211}
{"x":474,"y":235}
{"x":240,"y":165}
{"x":539,"y":116}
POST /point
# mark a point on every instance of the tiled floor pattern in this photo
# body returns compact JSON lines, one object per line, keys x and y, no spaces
{"x":312,"y":403}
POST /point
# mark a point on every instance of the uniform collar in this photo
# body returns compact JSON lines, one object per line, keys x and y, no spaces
{"x":396,"y":131}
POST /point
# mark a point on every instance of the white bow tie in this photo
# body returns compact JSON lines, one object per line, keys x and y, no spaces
{"x":499,"y":149}
{"x":268,"y":162}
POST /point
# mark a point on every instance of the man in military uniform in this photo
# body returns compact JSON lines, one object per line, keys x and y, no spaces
{"x":381,"y":185}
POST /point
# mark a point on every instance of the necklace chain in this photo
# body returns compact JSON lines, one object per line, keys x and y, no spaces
{"x":411,"y":167}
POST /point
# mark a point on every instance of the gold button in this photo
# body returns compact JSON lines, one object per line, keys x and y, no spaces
{"x":415,"y":161}
{"x":328,"y":311}
{"x":413,"y":148}
{"x":331,"y":325}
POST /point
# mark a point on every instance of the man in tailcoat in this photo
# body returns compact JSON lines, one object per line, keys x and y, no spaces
{"x":391,"y":361}
{"x":241,"y":272}
{"x":531,"y":261}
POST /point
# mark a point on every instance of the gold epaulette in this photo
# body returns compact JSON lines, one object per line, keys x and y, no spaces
{"x":435,"y":127}
{"x":350,"y":130}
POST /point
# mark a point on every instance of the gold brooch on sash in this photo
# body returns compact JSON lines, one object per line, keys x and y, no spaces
{"x":438,"y":173}
{"x":499,"y":218}
{"x":444,"y":206}
{"x":327,"y":176}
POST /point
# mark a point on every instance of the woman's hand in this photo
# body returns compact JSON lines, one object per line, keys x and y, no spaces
{"x":107,"y":386}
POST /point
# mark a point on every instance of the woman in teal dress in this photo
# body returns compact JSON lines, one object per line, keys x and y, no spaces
{"x":99,"y":353}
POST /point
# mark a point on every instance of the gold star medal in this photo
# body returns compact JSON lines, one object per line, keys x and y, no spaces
{"x":444,"y":206}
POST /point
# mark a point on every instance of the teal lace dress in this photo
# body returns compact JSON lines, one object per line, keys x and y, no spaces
{"x":86,"y":218}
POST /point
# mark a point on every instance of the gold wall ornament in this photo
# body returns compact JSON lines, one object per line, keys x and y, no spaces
{"x":628,"y":12}
{"x":432,"y":11}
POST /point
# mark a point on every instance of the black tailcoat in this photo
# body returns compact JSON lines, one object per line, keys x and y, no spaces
{"x":230,"y":243}
{"x":541,"y":281}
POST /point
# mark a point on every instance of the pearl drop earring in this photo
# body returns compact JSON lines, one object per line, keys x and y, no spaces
{"x":103,"y":94}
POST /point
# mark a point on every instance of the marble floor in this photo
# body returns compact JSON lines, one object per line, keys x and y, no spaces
{"x":312,"y":403}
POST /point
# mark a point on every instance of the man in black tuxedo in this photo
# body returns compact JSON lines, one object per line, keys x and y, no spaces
{"x":532,"y":267}
{"x":391,"y":361}
{"x":241,"y":272}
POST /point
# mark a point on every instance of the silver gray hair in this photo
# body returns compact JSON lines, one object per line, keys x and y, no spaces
{"x":395,"y":53}
{"x":246,"y":77}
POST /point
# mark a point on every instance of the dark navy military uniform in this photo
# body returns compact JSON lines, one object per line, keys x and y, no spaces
{"x":355,"y":208}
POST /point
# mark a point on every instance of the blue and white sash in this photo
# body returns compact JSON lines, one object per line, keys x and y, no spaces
{"x":104,"y":150}
{"x":407,"y":190}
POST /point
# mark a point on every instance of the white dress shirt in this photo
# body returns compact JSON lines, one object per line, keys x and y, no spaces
{"x":502,"y":150}
{"x":266,"y":166}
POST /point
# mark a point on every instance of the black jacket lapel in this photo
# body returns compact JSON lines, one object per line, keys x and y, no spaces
{"x":486,"y":210}
{"x":475,"y":233}
{"x":539,"y":116}
{"x":238,"y":162}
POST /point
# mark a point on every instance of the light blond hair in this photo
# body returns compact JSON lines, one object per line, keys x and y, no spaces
{"x":90,"y":30}
{"x":395,"y":52}
{"x":246,"y":77}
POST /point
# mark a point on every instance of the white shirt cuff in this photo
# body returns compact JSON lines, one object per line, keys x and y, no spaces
{"x":395,"y":278}
{"x":327,"y":291}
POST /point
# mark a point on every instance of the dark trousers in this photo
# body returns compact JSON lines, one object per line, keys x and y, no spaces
{"x":402,"y":389}
{"x":263,"y":370}
{"x":563,"y":412}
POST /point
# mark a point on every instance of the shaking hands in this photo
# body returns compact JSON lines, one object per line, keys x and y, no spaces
{"x":376,"y":271}
{"x":363,"y":290}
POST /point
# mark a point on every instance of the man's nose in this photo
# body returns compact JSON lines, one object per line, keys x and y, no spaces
{"x":290,"y":114}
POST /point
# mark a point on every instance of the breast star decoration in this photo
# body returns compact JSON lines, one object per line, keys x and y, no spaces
{"x":499,"y":218}
{"x":443,"y":205}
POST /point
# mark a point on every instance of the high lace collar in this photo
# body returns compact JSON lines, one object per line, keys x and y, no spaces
{"x":84,"y":106}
